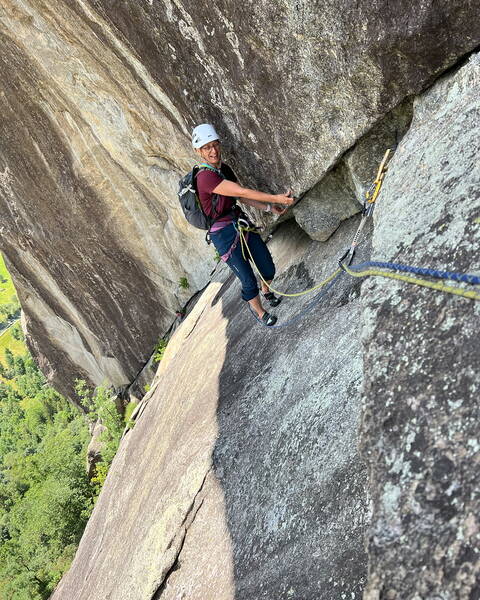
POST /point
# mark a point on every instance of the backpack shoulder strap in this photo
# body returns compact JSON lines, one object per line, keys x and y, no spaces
{"x":205,"y":167}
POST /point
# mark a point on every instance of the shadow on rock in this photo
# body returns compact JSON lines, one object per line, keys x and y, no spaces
{"x":286,"y":454}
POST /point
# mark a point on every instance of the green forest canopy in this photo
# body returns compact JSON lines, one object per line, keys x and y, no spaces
{"x":46,"y":497}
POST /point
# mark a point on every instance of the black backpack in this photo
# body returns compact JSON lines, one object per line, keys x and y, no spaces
{"x":190,"y":203}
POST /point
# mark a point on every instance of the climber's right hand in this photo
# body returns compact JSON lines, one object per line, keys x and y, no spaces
{"x":285,"y":198}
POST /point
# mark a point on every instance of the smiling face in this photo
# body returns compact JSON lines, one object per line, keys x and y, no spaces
{"x":211,"y":153}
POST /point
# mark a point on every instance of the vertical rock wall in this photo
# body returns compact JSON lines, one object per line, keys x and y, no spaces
{"x":422,"y":358}
{"x":90,"y":228}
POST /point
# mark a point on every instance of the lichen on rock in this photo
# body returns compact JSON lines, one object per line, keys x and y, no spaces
{"x":422,"y":360}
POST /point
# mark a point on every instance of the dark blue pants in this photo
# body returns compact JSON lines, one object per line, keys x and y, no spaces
{"x":223,"y":239}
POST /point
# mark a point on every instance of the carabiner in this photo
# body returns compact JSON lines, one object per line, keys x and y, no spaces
{"x":243,"y":223}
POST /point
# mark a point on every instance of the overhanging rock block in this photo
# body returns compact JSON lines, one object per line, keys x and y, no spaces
{"x":339,"y":195}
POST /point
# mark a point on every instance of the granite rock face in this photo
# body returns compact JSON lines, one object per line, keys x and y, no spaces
{"x":340,"y":194}
{"x":97,"y":102}
{"x":362,"y":161}
{"x":291,"y":85}
{"x":241,"y":478}
{"x":422,"y":358}
{"x":327,"y":204}
{"x":94,"y":251}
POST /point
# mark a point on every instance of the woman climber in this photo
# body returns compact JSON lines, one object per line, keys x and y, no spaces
{"x":218,"y":189}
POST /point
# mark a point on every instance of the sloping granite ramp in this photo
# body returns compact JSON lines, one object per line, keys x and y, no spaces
{"x":241,"y":478}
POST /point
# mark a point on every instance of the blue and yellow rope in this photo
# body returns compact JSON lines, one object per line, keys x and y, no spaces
{"x":460,"y":277}
{"x":356,"y":271}
{"x":361,"y":271}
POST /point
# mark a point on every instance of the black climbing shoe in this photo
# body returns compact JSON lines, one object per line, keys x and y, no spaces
{"x":272,"y":299}
{"x":269,"y":319}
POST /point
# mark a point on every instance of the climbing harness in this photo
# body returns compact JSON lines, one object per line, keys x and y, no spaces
{"x":369,"y":268}
{"x":240,"y":224}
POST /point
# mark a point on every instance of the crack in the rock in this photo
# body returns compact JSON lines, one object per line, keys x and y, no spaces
{"x":184,"y":527}
{"x":196,"y":321}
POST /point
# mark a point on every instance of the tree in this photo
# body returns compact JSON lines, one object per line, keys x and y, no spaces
{"x":45,"y":495}
{"x":101,"y":406}
{"x":4,"y":389}
{"x":17,"y":332}
{"x":18,"y":365}
{"x":9,"y":358}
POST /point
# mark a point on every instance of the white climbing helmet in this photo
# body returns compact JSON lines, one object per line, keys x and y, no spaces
{"x":203,"y":134}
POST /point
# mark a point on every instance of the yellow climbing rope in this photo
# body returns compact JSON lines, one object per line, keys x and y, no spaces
{"x":244,"y":244}
{"x":370,"y":198}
